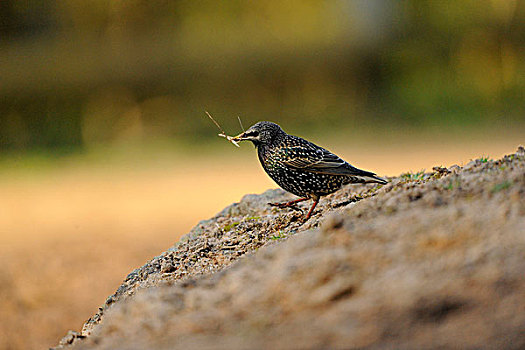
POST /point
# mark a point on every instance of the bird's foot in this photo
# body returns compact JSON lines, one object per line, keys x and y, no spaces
{"x":291,"y":204}
{"x":311,"y":211}
{"x":303,"y":219}
{"x":286,"y":205}
{"x":281,"y":205}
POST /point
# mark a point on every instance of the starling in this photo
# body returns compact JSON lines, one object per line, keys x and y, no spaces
{"x":301,"y":167}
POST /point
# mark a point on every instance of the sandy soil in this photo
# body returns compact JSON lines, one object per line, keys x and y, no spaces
{"x":431,"y":260}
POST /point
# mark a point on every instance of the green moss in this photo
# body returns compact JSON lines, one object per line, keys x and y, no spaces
{"x":410,"y":176}
{"x":230,"y":226}
{"x":484,"y":159}
{"x":277,"y":236}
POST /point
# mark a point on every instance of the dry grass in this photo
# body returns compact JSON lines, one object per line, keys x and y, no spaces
{"x":64,"y":229}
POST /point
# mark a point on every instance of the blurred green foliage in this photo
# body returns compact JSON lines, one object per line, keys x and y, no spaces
{"x":77,"y":73}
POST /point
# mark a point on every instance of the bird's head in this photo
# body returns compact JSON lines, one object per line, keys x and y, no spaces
{"x":263,"y":133}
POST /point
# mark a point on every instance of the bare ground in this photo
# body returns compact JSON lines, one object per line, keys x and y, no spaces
{"x":430,"y":260}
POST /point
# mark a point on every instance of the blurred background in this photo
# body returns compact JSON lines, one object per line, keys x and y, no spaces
{"x":107,"y":157}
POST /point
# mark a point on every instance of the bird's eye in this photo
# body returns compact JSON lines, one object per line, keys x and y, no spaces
{"x":252,"y":133}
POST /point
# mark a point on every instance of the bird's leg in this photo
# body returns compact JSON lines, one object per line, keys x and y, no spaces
{"x":289,"y":204}
{"x":311,"y":210}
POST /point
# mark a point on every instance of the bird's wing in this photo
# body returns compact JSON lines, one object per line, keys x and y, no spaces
{"x":308,"y":158}
{"x":319,"y":160}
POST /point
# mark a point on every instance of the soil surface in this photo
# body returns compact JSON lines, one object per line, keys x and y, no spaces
{"x":430,"y":260}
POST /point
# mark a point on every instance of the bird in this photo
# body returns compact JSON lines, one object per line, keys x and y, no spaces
{"x":300,"y":166}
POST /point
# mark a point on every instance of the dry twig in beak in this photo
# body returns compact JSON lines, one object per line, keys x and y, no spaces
{"x":223,"y":133}
{"x":240,"y":123}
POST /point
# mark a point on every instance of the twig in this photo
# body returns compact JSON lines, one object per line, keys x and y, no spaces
{"x":213,"y":120}
{"x":242,"y":127}
{"x":223,"y":133}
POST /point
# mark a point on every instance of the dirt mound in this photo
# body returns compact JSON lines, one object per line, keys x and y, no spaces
{"x":430,"y":260}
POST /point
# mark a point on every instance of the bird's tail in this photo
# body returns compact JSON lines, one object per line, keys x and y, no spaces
{"x":367,"y":179}
{"x":374,"y":179}
{"x":362,"y":176}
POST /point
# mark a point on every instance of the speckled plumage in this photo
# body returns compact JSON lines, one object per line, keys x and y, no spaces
{"x":301,"y":167}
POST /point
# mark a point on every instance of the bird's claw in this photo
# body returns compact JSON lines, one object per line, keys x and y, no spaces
{"x":286,"y":205}
{"x":279,"y":205}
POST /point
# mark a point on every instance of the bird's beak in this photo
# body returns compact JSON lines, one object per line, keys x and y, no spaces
{"x":240,"y":137}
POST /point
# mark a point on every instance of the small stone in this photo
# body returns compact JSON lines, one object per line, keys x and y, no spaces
{"x":440,"y":170}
